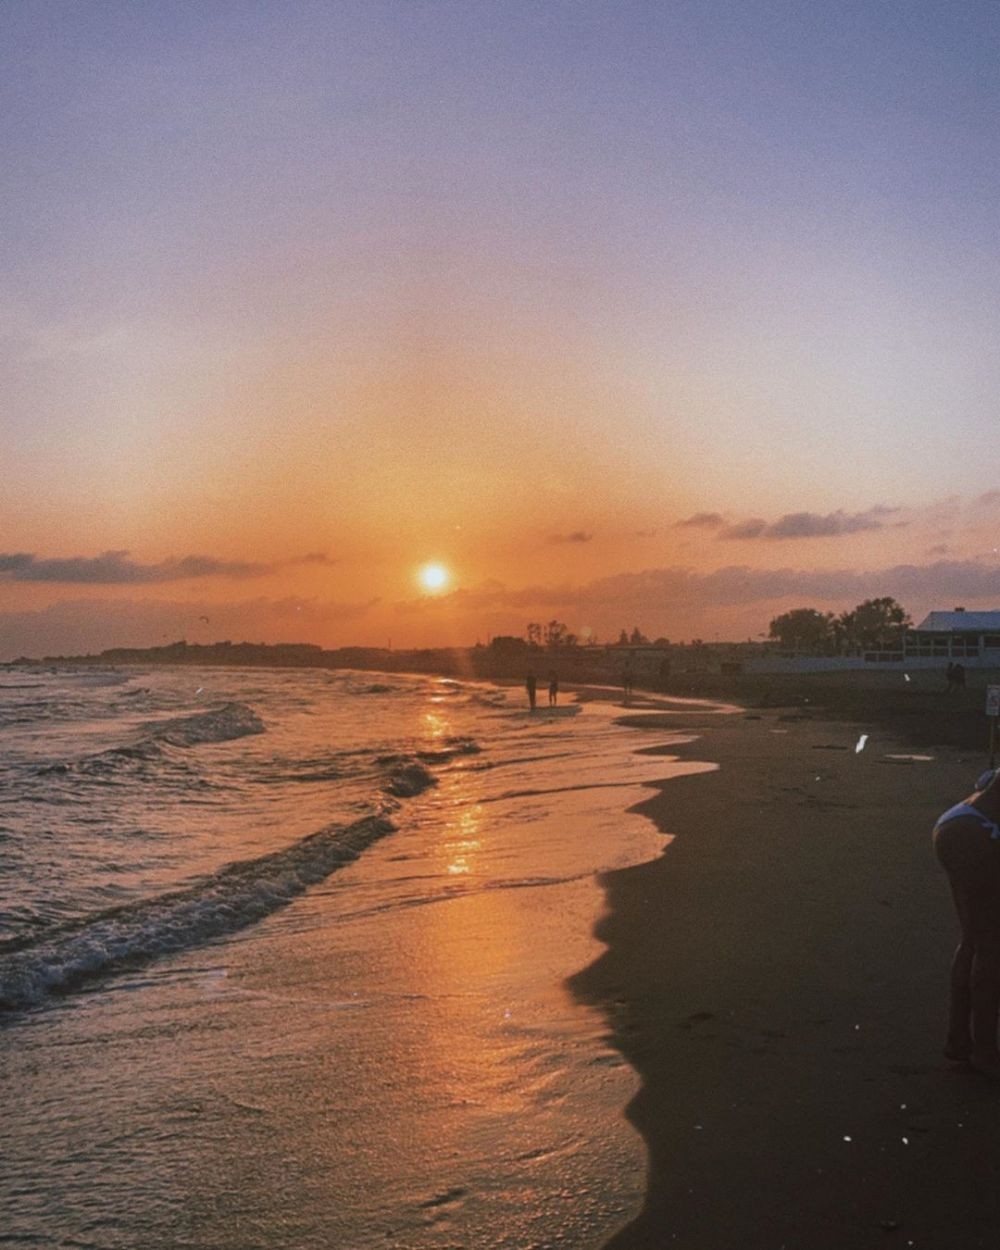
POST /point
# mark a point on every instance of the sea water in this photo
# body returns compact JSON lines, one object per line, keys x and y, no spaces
{"x":282,"y":957}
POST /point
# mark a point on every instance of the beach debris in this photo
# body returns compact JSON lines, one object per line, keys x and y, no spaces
{"x":199,"y":690}
{"x":889,"y":1226}
{"x":848,"y":1138}
{"x":906,"y":677}
{"x":905,"y":1141}
{"x":860,"y":744}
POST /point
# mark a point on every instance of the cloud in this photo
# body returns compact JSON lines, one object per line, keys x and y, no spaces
{"x":115,"y":568}
{"x":315,"y":557}
{"x":811,"y":524}
{"x":701,"y":520}
{"x":745,"y":529}
{"x":577,"y":536}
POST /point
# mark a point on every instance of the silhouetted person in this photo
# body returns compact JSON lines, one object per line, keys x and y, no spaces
{"x":531,"y":685}
{"x":949,"y":676}
{"x":967,"y":843}
{"x":959,"y":674}
{"x":627,"y":679}
{"x":553,"y":688}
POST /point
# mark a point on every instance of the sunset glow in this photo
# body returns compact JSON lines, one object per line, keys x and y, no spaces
{"x":601,"y":299}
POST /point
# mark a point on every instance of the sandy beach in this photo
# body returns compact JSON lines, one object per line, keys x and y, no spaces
{"x":778,"y":980}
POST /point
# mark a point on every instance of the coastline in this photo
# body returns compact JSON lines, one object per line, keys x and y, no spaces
{"x":778,"y":978}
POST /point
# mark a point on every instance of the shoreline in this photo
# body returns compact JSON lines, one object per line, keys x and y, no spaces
{"x":778,"y":978}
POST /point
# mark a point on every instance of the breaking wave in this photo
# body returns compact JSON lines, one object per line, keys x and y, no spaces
{"x":221,"y":724}
{"x":236,"y":896}
{"x":409,"y":778}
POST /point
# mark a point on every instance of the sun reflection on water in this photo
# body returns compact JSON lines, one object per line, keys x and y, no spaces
{"x":462,"y":849}
{"x":435,"y":725}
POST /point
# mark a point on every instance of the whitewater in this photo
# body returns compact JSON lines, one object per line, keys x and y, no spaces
{"x":282,"y":960}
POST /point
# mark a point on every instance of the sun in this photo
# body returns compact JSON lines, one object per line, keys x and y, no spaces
{"x":433,"y":577}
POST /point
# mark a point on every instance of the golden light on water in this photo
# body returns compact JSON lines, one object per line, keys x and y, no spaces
{"x":433,"y":577}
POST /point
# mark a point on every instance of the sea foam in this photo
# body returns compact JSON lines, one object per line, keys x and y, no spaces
{"x":236,"y":896}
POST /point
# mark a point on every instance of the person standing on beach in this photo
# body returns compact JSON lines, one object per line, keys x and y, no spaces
{"x":627,"y":679}
{"x":967,"y":844}
{"x":553,"y":688}
{"x":531,"y":685}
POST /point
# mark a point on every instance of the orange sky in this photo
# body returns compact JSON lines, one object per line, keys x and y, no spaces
{"x":376,"y":286}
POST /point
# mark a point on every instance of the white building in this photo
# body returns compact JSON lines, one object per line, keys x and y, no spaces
{"x":969,"y":638}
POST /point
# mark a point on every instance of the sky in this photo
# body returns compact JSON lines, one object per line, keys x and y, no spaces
{"x":677,"y":314}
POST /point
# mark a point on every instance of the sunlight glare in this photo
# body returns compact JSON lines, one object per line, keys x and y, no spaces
{"x":433,"y":577}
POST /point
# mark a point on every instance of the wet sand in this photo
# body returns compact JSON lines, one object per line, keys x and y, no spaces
{"x":778,"y":980}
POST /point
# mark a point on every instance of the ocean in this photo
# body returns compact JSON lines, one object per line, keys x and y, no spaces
{"x":282,"y":960}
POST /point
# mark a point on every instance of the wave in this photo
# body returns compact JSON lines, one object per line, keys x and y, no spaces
{"x":231,"y":899}
{"x":449,"y":749}
{"x":409,"y":778}
{"x":220,"y":724}
{"x":110,"y":763}
{"x":452,"y":748}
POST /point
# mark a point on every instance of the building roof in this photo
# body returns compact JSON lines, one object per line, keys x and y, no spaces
{"x":961,"y":623}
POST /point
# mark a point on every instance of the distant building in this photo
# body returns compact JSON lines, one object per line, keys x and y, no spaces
{"x":966,"y":637}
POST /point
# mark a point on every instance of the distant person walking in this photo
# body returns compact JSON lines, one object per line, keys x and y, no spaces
{"x":553,"y":688}
{"x":531,"y":685}
{"x":967,"y":844}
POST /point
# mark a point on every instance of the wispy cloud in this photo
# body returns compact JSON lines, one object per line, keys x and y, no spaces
{"x":701,"y":520}
{"x":117,"y":568}
{"x":810,"y":524}
{"x":577,"y":536}
{"x":315,"y":557}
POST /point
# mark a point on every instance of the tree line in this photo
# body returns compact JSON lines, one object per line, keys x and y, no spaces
{"x":874,"y":624}
{"x":556,"y":636}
